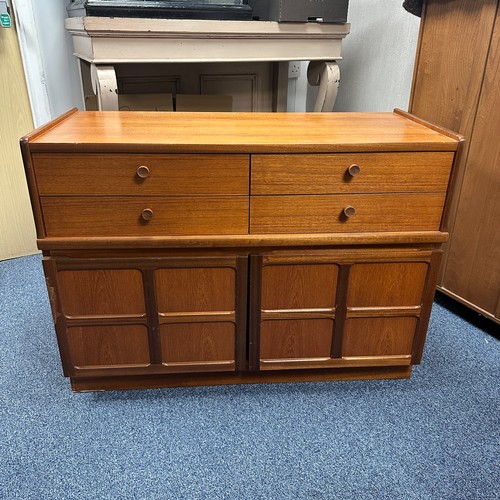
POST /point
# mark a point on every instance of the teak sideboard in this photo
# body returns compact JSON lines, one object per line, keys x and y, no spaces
{"x":192,"y":248}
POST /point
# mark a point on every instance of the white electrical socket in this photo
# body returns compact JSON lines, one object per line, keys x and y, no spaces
{"x":293,"y":69}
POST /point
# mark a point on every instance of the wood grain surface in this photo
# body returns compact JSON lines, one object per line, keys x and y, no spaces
{"x":83,"y":384}
{"x":121,"y":216}
{"x":108,"y":346}
{"x":240,"y":133}
{"x":296,"y":339}
{"x":299,"y":287}
{"x":386,"y":284}
{"x":157,"y":246}
{"x":324,"y":213}
{"x":465,"y":28}
{"x":378,"y":336}
{"x":327,"y":174}
{"x":101,"y":292}
{"x":196,"y":289}
{"x":198,"y":342}
{"x":457,"y":87}
{"x":473,"y":258}
{"x":93,"y":174}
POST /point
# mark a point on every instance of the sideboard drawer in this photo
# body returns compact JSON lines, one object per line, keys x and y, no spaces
{"x":144,"y":216}
{"x":141,"y":174}
{"x":325,"y":214}
{"x":350,"y":173}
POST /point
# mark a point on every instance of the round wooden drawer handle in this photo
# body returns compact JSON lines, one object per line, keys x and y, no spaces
{"x":142,"y":171}
{"x":349,"y":211}
{"x":354,"y":170}
{"x":147,"y":214}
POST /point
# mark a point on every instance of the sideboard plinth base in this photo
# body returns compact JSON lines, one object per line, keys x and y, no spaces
{"x":190,"y":380}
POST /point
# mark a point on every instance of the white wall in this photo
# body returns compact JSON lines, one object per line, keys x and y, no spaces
{"x":379,"y":54}
{"x":60,"y":68}
{"x":378,"y":58}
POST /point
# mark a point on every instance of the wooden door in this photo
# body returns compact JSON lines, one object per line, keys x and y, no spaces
{"x":120,"y":316}
{"x":341,"y":308}
{"x":201,"y":305}
{"x":472,"y":272}
{"x":101,"y":316}
{"x":383,"y":306}
{"x":17,"y":228}
{"x":293,"y":311}
{"x":466,"y":101}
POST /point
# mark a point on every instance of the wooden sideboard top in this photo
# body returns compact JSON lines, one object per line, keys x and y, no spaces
{"x":80,"y":131}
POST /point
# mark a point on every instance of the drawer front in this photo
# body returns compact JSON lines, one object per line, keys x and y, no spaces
{"x":325,"y":214}
{"x":331,"y":173}
{"x":148,"y":216}
{"x":141,"y":174}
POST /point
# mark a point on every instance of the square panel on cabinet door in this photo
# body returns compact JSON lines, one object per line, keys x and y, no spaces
{"x":100,"y":315}
{"x":293,"y":302}
{"x":201,"y":306}
{"x":384,"y":308}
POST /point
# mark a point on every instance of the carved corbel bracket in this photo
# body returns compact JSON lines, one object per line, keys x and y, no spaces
{"x":326,"y":75}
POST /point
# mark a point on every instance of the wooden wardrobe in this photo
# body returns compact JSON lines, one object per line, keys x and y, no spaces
{"x":456,"y":85}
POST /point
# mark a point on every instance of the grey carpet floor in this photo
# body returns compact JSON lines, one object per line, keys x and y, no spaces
{"x":435,"y":436}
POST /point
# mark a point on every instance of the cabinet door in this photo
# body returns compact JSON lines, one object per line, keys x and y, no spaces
{"x":387,"y":309}
{"x":117,"y":316}
{"x":344,"y":308}
{"x":293,"y":301}
{"x":202,"y":313}
{"x":100,"y":314}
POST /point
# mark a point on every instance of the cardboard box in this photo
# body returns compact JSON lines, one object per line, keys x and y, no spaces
{"x":187,"y":102}
{"x":145,"y":102}
{"x":165,"y":102}
{"x":301,"y":11}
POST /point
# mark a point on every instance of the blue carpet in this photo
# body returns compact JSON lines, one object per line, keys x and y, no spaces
{"x":435,"y":436}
